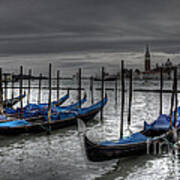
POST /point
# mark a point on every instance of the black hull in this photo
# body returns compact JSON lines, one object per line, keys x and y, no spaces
{"x":98,"y":153}
{"x":153,"y":133}
{"x":89,"y":116}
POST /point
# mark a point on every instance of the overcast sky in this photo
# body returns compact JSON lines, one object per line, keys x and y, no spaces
{"x":51,"y":23}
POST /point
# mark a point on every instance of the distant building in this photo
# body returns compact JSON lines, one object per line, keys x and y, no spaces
{"x":147,"y":63}
{"x":153,"y":74}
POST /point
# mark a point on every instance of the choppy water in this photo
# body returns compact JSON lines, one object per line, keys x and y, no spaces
{"x":61,"y":155}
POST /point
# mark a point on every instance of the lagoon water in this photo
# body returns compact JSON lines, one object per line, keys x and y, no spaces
{"x":61,"y":155}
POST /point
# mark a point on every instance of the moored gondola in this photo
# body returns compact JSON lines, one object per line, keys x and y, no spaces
{"x":63,"y":119}
{"x":86,"y":113}
{"x":32,"y":110}
{"x":136,"y":144}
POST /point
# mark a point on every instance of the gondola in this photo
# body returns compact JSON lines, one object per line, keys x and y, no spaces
{"x":136,"y":144}
{"x":32,"y":107}
{"x":11,"y":102}
{"x":64,"y":119}
{"x":37,"y":111}
{"x":85,"y":113}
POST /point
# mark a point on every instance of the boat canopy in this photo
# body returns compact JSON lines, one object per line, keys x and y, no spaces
{"x":162,"y":123}
{"x":134,"y":138}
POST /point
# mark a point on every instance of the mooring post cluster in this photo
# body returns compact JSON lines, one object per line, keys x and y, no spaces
{"x":122,"y":84}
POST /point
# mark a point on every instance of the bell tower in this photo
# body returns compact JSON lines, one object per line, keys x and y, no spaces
{"x":147,"y":63}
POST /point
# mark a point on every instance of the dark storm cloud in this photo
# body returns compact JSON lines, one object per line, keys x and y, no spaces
{"x":89,"y":20}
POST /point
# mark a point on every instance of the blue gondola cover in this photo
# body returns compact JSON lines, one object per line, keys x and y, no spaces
{"x":2,"y":117}
{"x":162,"y":123}
{"x":134,"y":138}
{"x":14,"y":123}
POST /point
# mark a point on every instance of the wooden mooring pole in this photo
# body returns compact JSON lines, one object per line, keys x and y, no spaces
{"x":39,"y":90}
{"x":12,"y":87}
{"x":172,"y":101}
{"x":115,"y":91}
{"x":102,"y":93}
{"x":176,"y":98}
{"x":130,"y":97}
{"x":20,"y":89}
{"x":5,"y":87}
{"x":29,"y":86}
{"x":122,"y":98}
{"x":161,"y":92}
{"x":58,"y":84}
{"x":79,"y":88}
{"x":1,"y":93}
{"x":92,"y":89}
{"x":49,"y":101}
